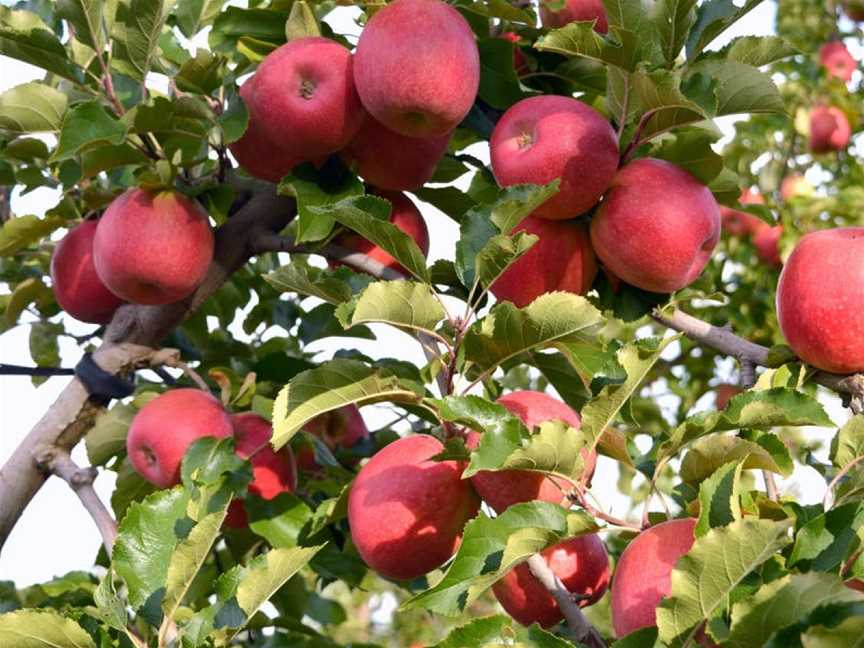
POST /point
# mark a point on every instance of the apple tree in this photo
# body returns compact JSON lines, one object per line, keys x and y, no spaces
{"x":636,"y":308}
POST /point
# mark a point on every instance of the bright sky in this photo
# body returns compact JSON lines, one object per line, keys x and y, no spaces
{"x":55,"y":535}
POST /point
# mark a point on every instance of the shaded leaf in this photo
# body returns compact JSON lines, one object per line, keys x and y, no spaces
{"x":41,"y":629}
{"x":32,"y":107}
{"x":403,"y":304}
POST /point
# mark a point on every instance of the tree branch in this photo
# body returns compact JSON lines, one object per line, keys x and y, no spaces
{"x":582,"y":628}
{"x":59,"y":462}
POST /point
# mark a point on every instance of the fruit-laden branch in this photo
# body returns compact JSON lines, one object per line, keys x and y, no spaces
{"x":58,"y":462}
{"x":585,"y":633}
{"x":127,"y":345}
{"x":725,"y":341}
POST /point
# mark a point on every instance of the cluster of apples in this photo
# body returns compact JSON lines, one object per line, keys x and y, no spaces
{"x":407,"y":513}
{"x":164,"y":429}
{"x":829,"y":126}
{"x":149,"y":247}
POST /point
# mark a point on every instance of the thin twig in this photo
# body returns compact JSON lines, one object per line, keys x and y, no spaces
{"x":193,"y":375}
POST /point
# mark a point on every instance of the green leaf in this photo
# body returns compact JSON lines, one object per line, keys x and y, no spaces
{"x":25,"y":37}
{"x":508,"y":331}
{"x":719,"y":498}
{"x":41,"y":629}
{"x":310,"y":281}
{"x":500,"y":630}
{"x":674,"y":18}
{"x":758,"y":50}
{"x":708,"y":454}
{"x":43,"y":343}
{"x":23,"y":231}
{"x":499,"y":85}
{"x":87,"y":125}
{"x":32,"y":107}
{"x":193,"y":15}
{"x":403,"y":304}
{"x":333,"y":385}
{"x":130,"y":487}
{"x":847,"y":634}
{"x":713,"y":18}
{"x":260,"y":25}
{"x":233,"y":120}
{"x":825,"y":541}
{"x":279,"y":520}
{"x":847,"y":445}
{"x":107,"y":437}
{"x":139,"y":27}
{"x":782,"y":603}
{"x":85,"y":17}
{"x":202,"y":74}
{"x":734,"y":88}
{"x":301,"y":21}
{"x":318,"y":188}
{"x":691,"y":150}
{"x":501,"y":251}
{"x":145,"y":543}
{"x":704,"y":578}
{"x":369,"y":217}
{"x":659,"y":93}
{"x":492,"y":546}
{"x":111,"y":608}
{"x":29,"y":291}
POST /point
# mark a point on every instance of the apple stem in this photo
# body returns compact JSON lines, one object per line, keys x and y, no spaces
{"x":585,"y":632}
{"x":193,"y":375}
{"x":59,"y":462}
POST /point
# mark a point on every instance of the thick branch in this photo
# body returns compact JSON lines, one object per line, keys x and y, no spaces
{"x":581,"y":627}
{"x":60,"y":463}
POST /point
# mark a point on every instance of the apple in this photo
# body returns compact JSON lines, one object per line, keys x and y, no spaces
{"x":795,"y":185}
{"x":302,"y":106}
{"x":724,"y":393}
{"x":393,"y":162}
{"x":766,"y":238}
{"x":855,"y":583}
{"x":417,"y":67}
{"x":581,"y":564}
{"x":573,"y":10}
{"x":854,"y":9}
{"x":164,"y":428}
{"x":837,"y":61}
{"x":502,"y":488}
{"x":153,"y":247}
{"x":819,"y":300}
{"x":562,"y":259}
{"x":643,"y":575}
{"x":78,"y":289}
{"x":273,"y":472}
{"x":543,"y":138}
{"x":407,"y":512}
{"x":829,"y":129}
{"x":405,"y":216}
{"x":340,"y":428}
{"x":740,"y":223}
{"x":657,"y":226}
{"x":520,"y":63}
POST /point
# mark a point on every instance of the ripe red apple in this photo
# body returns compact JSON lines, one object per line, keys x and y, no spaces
{"x":261,"y":156}
{"x":724,"y":393}
{"x":819,"y":299}
{"x":829,"y":129}
{"x":405,"y":216}
{"x":562,"y":259}
{"x":302,"y":104}
{"x":520,"y":63}
{"x":854,"y":9}
{"x":766,"y":238}
{"x":581,"y":564}
{"x":855,"y":583}
{"x":656,"y":227}
{"x":543,"y":138}
{"x":164,"y":429}
{"x":502,"y":488}
{"x":643,"y":576}
{"x":417,"y":67}
{"x":394,"y":162}
{"x":153,"y":248}
{"x":740,"y":223}
{"x":77,"y":288}
{"x":837,"y":61}
{"x":574,"y":10}
{"x":341,"y":428}
{"x":406,"y":512}
{"x":795,"y":185}
{"x":273,"y":473}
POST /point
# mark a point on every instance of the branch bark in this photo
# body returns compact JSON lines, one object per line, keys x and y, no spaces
{"x":128,"y":345}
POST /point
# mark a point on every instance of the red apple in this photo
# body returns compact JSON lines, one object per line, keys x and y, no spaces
{"x":643,"y":576}
{"x":767,"y":241}
{"x":562,"y":259}
{"x":740,"y":223}
{"x":819,"y":300}
{"x":795,"y":185}
{"x":854,"y":9}
{"x":829,"y":129}
{"x":273,"y":473}
{"x":406,"y":217}
{"x":581,"y":10}
{"x":302,"y":106}
{"x":657,"y":226}
{"x":855,"y":583}
{"x":724,"y":393}
{"x":581,"y":564}
{"x":543,"y":138}
{"x":77,"y":288}
{"x":502,"y":488}
{"x":153,"y":248}
{"x":406,"y":512}
{"x":164,"y":428}
{"x":837,"y":61}
{"x":341,"y":428}
{"x":394,"y":162}
{"x":417,"y":67}
{"x":520,"y":63}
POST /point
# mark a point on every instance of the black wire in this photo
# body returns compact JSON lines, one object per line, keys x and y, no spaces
{"x":17,"y":370}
